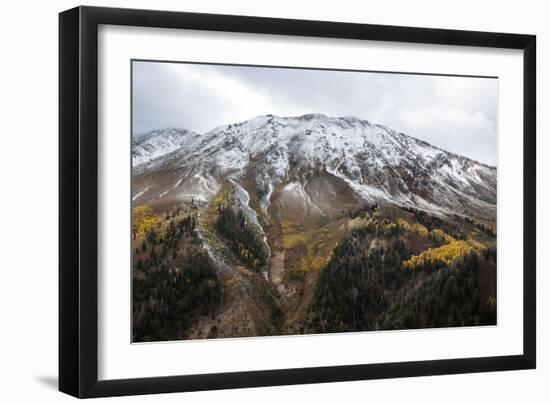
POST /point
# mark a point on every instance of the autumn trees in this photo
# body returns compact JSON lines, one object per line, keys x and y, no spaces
{"x":174,"y":280}
{"x":381,"y":285}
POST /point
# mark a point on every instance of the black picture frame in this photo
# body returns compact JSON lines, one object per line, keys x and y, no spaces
{"x":78,"y":201}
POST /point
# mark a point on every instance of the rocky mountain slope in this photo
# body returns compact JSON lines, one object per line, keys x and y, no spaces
{"x":374,"y":163}
{"x":157,"y":143}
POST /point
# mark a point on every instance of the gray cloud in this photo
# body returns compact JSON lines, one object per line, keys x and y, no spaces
{"x":455,"y":113}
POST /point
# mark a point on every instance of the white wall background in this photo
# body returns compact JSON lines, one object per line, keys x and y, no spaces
{"x":28,"y":206}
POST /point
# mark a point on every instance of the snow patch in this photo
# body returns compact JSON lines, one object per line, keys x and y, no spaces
{"x":140,"y":193}
{"x":244,"y":200}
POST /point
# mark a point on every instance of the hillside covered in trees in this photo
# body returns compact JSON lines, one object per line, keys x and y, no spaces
{"x":207,"y":272}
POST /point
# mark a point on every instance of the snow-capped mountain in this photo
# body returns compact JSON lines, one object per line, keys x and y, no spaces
{"x":310,"y":161}
{"x":158,"y":143}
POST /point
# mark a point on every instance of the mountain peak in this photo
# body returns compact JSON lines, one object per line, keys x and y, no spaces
{"x":374,"y":161}
{"x":312,"y":116}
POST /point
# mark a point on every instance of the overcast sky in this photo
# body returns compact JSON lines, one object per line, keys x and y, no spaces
{"x":454,"y":113}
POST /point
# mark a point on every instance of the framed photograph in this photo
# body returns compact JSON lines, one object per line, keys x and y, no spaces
{"x":251,"y":201}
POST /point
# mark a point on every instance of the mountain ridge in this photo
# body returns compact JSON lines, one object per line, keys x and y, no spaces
{"x":377,"y":163}
{"x":141,"y":137}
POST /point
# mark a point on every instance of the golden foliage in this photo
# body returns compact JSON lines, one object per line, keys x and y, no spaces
{"x":476,"y":245}
{"x":315,"y":263}
{"x":220,"y":198}
{"x":291,"y":238}
{"x":391,"y":226}
{"x":358,"y":222}
{"x":445,"y":254}
{"x":416,"y":228}
{"x":287,"y":226}
{"x":403,"y":224}
{"x":244,"y":271}
{"x":315,"y":242}
{"x":143,"y":218}
{"x":439,"y":234}
{"x":419,"y":229}
{"x":229,"y":281}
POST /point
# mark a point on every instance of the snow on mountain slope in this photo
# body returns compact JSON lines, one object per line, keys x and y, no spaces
{"x":157,"y":143}
{"x":377,"y":163}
